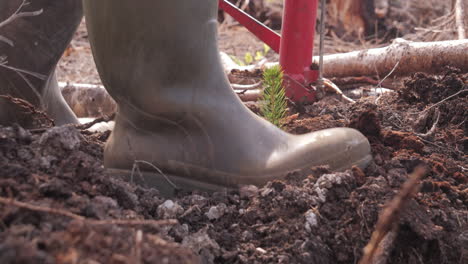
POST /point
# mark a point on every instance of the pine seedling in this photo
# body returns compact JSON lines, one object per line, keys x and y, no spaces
{"x":274,"y":106}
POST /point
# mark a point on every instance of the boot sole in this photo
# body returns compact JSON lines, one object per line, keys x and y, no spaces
{"x":169,"y":185}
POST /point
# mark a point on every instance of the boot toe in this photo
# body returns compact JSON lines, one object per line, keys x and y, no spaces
{"x":339,"y":148}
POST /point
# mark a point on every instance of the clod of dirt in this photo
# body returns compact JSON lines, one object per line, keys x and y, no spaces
{"x":65,"y":137}
{"x":422,"y":88}
{"x":202,"y":244}
{"x":403,"y":140}
{"x":367,"y":121}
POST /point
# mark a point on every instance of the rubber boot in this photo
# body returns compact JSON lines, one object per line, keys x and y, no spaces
{"x":179,"y":122}
{"x":35,"y":45}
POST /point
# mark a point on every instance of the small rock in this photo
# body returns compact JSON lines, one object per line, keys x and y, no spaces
{"x":248,"y":191}
{"x":169,"y":210}
{"x":266,"y":191}
{"x":246,"y":236}
{"x":46,"y":161}
{"x":327,"y":181}
{"x":22,"y":134}
{"x":55,"y":188}
{"x":215,"y":212}
{"x":283,"y":259}
{"x":311,"y":220}
{"x":106,"y":202}
{"x":201,"y":243}
{"x":179,"y":232}
{"x":198,"y":200}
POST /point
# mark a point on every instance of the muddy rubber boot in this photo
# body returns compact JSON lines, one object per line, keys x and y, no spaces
{"x":35,"y":44}
{"x":178,"y":119}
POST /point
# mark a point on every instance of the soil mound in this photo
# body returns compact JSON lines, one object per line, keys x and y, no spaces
{"x":319,"y":216}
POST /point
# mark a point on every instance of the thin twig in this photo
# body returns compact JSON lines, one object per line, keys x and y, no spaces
{"x":7,"y":41}
{"x":379,"y":85}
{"x":96,"y":121}
{"x":80,"y":218}
{"x":330,"y":85}
{"x":448,"y":98}
{"x":158,"y":170}
{"x":433,"y":129}
{"x":34,"y":74}
{"x":18,"y":14}
{"x":138,"y":240}
{"x":390,"y":215}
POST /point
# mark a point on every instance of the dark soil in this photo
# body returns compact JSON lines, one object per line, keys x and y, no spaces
{"x":318,"y":217}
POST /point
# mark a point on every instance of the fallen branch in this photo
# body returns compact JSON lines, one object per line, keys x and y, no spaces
{"x":411,"y":57}
{"x":460,"y":18}
{"x":47,"y":210}
{"x":246,"y":86}
{"x":390,"y":215}
{"x":429,"y":57}
{"x":92,"y":100}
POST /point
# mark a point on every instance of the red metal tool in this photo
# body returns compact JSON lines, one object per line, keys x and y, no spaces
{"x":295,"y":45}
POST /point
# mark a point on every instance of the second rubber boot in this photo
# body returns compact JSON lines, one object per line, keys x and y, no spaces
{"x":178,"y":118}
{"x":32,"y":45}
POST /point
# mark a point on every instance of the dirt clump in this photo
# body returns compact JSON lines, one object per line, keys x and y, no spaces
{"x":424,"y":89}
{"x":62,"y":169}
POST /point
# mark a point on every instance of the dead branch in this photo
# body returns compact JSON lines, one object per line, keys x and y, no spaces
{"x":429,"y":57}
{"x":53,"y":211}
{"x":254,"y":86}
{"x":460,"y":18}
{"x":390,"y":215}
{"x":31,"y":110}
{"x":90,"y":100}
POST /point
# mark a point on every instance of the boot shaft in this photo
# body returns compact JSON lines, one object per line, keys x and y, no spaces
{"x":166,"y":51}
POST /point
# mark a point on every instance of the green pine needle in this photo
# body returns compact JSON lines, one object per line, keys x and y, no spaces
{"x":274,"y":105}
